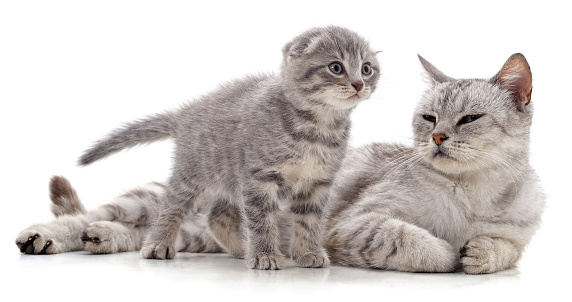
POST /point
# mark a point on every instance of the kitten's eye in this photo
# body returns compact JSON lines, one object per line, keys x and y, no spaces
{"x":336,"y":68}
{"x":469,"y":118}
{"x":366,"y":69}
{"x":430,"y":118}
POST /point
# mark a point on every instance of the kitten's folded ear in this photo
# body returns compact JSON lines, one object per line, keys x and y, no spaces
{"x":515,"y":76}
{"x":435,"y":75}
{"x":297,"y":47}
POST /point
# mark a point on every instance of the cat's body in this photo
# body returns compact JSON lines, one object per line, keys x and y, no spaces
{"x":464,"y":194}
{"x":256,"y":145}
{"x":465,"y":186}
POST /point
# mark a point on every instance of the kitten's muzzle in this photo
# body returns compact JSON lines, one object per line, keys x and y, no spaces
{"x":358,"y":86}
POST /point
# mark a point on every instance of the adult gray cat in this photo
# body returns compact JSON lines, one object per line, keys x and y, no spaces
{"x":465,"y":185}
{"x":256,"y":145}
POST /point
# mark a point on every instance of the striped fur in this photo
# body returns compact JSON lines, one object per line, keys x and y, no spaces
{"x":471,"y":200}
{"x":257,"y":145}
{"x":467,"y":198}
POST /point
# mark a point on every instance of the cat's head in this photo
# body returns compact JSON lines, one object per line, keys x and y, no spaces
{"x":464,"y":125}
{"x":330,"y":65}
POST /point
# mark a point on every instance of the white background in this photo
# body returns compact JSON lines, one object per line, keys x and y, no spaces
{"x":70,"y":71}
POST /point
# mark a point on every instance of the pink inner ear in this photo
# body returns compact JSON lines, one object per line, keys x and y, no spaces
{"x":515,"y":76}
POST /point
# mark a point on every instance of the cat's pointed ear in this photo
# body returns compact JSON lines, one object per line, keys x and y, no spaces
{"x":516,"y":77}
{"x":434,"y":74}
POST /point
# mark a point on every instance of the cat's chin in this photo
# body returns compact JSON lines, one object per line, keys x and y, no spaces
{"x":448,"y":165}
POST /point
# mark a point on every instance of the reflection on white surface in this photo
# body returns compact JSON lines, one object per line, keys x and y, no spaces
{"x":126,"y":275}
{"x":70,"y":71}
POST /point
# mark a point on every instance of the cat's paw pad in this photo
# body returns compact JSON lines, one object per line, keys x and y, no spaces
{"x":99,"y":238}
{"x":478,"y":256}
{"x":34,"y":243}
{"x":266,"y":261}
{"x":313,"y":259}
{"x":158,"y":251}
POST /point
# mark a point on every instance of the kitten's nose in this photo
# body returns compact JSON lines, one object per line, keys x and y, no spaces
{"x":358,"y":86}
{"x":439,"y":138}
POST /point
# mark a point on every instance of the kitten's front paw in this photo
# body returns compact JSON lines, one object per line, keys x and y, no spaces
{"x":157,"y":250}
{"x":35,"y":242}
{"x":478,"y":256}
{"x":313,"y":259}
{"x":266,"y":261}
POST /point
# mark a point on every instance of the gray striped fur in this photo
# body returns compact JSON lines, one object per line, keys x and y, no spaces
{"x":472,"y":201}
{"x":254,"y":144}
{"x":392,"y":206}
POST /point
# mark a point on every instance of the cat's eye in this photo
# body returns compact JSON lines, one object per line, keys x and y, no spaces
{"x":366,"y":69}
{"x":469,"y":118}
{"x":430,"y":118}
{"x":336,"y":68}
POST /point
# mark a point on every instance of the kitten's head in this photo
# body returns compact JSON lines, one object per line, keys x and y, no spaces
{"x":472,"y":124}
{"x":330,"y":65}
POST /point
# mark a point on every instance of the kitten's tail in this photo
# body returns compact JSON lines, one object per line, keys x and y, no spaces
{"x":148,"y":130}
{"x":65,"y":200}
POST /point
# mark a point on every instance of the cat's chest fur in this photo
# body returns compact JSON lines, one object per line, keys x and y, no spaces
{"x":314,"y":145}
{"x":464,"y":202}
{"x":311,"y":163}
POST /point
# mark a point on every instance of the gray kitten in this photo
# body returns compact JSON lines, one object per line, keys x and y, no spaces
{"x":465,"y":186}
{"x":256,"y":145}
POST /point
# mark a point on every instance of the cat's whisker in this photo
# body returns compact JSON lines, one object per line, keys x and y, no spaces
{"x":492,"y":159}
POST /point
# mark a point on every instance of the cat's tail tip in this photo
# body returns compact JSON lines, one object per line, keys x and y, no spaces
{"x":65,"y":200}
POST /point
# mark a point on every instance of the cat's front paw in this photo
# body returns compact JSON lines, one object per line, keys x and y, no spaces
{"x":312,"y":259}
{"x":478,"y":256}
{"x":266,"y":261}
{"x":36,"y":242}
{"x":158,"y":250}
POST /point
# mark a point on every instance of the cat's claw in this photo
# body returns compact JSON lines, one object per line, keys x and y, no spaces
{"x":158,"y":251}
{"x":33,"y":243}
{"x":266,"y":261}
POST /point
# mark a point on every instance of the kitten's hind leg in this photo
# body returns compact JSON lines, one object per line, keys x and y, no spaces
{"x":175,"y":203}
{"x":374,"y":240}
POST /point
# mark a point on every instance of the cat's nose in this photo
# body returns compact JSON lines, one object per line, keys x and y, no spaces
{"x":358,"y":86}
{"x":439,"y":138}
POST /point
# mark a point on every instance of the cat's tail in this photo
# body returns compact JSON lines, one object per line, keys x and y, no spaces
{"x":144,"y":131}
{"x":65,"y":200}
